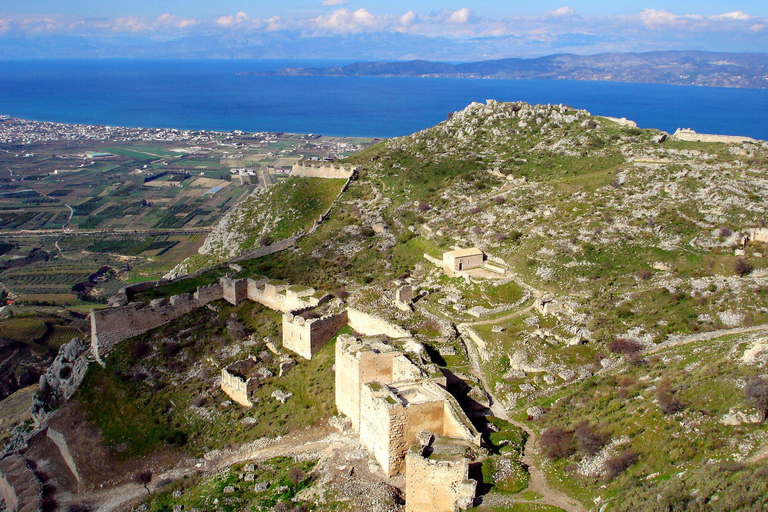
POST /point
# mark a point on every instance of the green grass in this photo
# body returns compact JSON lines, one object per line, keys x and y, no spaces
{"x":141,"y":402}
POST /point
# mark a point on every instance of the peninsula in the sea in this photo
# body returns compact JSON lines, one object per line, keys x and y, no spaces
{"x":711,"y":69}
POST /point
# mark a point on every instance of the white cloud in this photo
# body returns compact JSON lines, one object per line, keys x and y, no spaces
{"x":735,"y":15}
{"x":408,"y":19}
{"x":344,"y":21}
{"x":562,"y":12}
{"x":334,"y":2}
{"x":461,"y":16}
{"x":175,"y":21}
{"x":227,"y":21}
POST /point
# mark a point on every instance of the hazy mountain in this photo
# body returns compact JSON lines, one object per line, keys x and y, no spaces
{"x":671,"y":67}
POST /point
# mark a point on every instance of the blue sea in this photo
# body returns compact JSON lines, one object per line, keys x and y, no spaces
{"x":211,"y":95}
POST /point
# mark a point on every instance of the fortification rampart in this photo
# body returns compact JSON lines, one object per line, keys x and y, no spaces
{"x":237,"y":382}
{"x":19,"y":486}
{"x":306,"y":336}
{"x":759,"y":235}
{"x":390,"y":401}
{"x":61,"y":443}
{"x":372,"y":325}
{"x":234,"y":290}
{"x":437,"y":484}
{"x":322,"y":170}
{"x":689,"y":135}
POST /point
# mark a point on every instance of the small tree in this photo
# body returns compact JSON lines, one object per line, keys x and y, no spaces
{"x":742,"y":267}
{"x":588,"y":439}
{"x":556,"y":442}
{"x":629,"y":348}
{"x":756,"y":392}
{"x":619,"y":464}
{"x":144,"y":478}
{"x":667,"y":403}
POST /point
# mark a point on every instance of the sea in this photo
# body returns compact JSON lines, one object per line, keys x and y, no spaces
{"x":230,"y":95}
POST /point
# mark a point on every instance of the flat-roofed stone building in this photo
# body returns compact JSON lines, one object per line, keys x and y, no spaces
{"x":462,"y":259}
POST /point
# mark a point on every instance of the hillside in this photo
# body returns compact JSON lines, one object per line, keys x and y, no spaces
{"x":629,"y":237}
{"x":609,"y":351}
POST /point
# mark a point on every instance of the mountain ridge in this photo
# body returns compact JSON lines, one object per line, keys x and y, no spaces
{"x":712,"y":69}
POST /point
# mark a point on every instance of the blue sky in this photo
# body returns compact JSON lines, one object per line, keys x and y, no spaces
{"x":213,"y":9}
{"x":490,"y":28}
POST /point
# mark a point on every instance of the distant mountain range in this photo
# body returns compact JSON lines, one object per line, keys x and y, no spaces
{"x":712,"y":69}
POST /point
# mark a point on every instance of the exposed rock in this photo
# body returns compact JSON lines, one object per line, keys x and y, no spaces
{"x":281,"y":396}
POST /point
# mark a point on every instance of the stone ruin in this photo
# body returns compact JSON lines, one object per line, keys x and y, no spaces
{"x":390,"y":400}
{"x":437,"y":475}
{"x":242,"y":378}
{"x":455,"y":262}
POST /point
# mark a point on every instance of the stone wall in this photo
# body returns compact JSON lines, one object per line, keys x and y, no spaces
{"x":689,"y":135}
{"x":19,"y":486}
{"x":306,"y":337}
{"x":61,"y":443}
{"x":236,"y":387}
{"x":372,"y":325}
{"x":209,"y":293}
{"x":112,"y":325}
{"x":759,"y":235}
{"x":437,"y":485}
{"x":322,"y":170}
{"x":375,"y":423}
{"x":234,"y":290}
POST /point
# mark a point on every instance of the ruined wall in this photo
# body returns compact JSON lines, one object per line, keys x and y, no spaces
{"x":236,"y":388}
{"x":275,"y":296}
{"x":759,"y":235}
{"x":456,"y":423}
{"x":322,"y":170}
{"x":371,"y":325}
{"x":112,"y":325}
{"x":437,"y":485}
{"x":61,"y":443}
{"x":209,"y":293}
{"x":234,"y":290}
{"x":307,"y":337}
{"x":376,"y":420}
{"x":689,"y":135}
{"x":421,"y":416}
{"x":347,"y":380}
{"x":19,"y":486}
{"x":402,"y":369}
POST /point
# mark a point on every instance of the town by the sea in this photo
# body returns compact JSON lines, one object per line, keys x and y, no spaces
{"x":230,"y":95}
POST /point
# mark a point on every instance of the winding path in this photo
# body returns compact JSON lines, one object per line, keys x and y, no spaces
{"x":538,"y":482}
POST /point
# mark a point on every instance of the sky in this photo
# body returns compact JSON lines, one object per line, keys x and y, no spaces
{"x":490,"y":28}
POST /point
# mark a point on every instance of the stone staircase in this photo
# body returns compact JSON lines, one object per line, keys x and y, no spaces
{"x":19,"y":486}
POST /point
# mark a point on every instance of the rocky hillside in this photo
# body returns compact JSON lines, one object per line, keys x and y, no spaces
{"x":625,"y":236}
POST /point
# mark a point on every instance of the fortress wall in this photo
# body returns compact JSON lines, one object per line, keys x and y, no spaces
{"x":236,"y":388}
{"x":8,"y":493}
{"x":424,"y":416}
{"x":274,"y":296}
{"x":347,"y":380}
{"x":456,"y":423}
{"x":234,"y":290}
{"x":112,"y":325}
{"x":375,"y":419}
{"x":692,"y":136}
{"x":437,"y":485}
{"x":403,"y":369}
{"x":307,"y":337}
{"x":371,"y":325}
{"x":210,"y":293}
{"x":322,"y":170}
{"x":61,"y":443}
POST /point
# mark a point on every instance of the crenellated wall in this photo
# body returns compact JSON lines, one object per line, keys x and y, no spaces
{"x":373,"y":325}
{"x":307,"y":336}
{"x":439,"y":484}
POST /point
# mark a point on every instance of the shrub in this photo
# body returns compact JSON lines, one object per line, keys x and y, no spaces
{"x":140,"y":349}
{"x":556,"y":442}
{"x":724,"y":232}
{"x":475,"y":210}
{"x":756,"y":392}
{"x":295,"y":475}
{"x":630,"y":349}
{"x":423,"y":207}
{"x":588,"y":439}
{"x":644,"y":274}
{"x":498,"y":200}
{"x":742,"y":267}
{"x":619,"y":464}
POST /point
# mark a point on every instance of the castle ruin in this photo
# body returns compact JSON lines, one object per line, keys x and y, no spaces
{"x":390,"y":400}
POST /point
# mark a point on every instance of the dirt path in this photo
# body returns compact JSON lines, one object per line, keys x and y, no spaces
{"x":704,"y":336}
{"x":538,"y":482}
{"x":319,"y":441}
